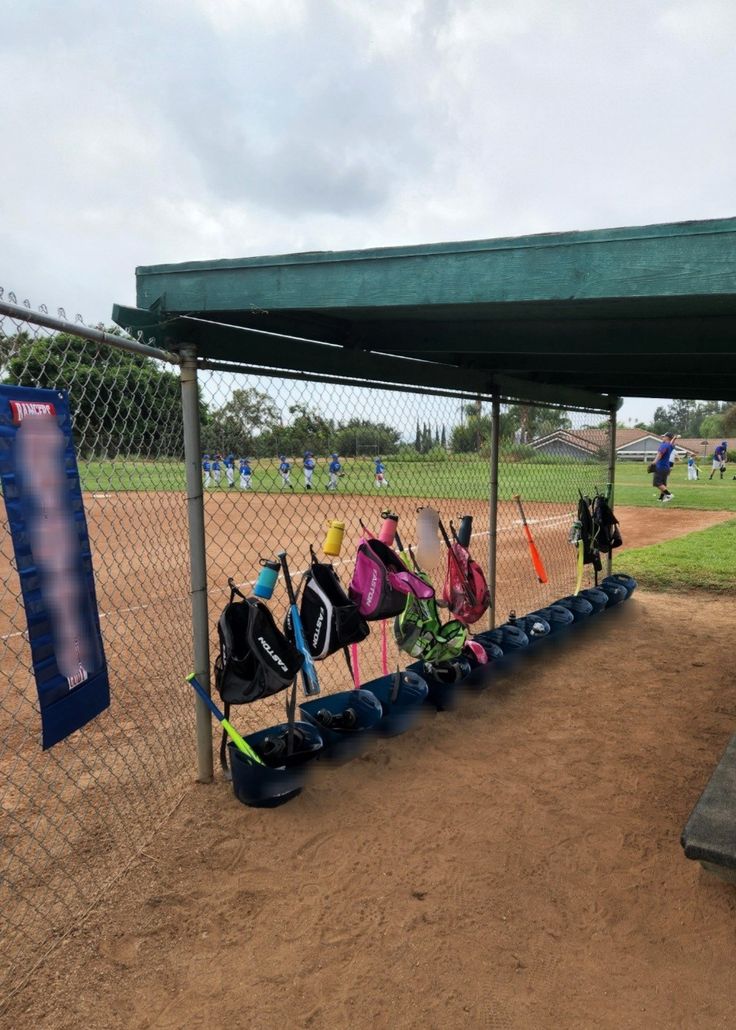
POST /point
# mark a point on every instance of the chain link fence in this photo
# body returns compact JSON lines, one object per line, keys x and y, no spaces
{"x":74,"y":815}
{"x":435,"y":450}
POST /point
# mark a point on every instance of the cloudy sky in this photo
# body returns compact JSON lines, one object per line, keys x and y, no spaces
{"x":168,"y":130}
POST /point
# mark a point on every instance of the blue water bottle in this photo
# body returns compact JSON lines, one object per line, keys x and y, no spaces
{"x":266,"y":579}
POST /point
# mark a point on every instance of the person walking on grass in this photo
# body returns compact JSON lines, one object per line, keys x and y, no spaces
{"x":206,"y":466}
{"x":720,"y":455}
{"x":334,"y":469}
{"x":661,"y":468}
{"x":309,"y":464}
{"x":381,"y":478}
{"x":230,"y":470}
{"x":692,"y":468}
{"x":216,"y":469}
{"x":245,"y":474}
{"x":285,"y":472}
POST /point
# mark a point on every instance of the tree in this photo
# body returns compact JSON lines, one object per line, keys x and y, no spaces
{"x":729,"y":421}
{"x":360,"y":435}
{"x":711,"y":425}
{"x":308,"y":430}
{"x":534,"y":421}
{"x":443,"y":438}
{"x":686,"y":418}
{"x":418,"y":440}
{"x":121,"y":403}
{"x":237,"y":424}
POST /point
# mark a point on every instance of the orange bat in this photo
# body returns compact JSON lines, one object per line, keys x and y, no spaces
{"x":536,"y":557}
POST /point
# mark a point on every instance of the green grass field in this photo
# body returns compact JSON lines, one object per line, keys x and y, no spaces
{"x":704,"y":560}
{"x":452,"y":478}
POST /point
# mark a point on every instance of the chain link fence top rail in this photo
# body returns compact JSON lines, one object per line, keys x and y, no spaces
{"x":73,"y":815}
{"x":436,"y":451}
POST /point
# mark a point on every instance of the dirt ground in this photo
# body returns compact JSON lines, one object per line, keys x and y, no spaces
{"x":512,"y":863}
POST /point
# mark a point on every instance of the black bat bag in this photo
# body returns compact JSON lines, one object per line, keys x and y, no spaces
{"x":256,"y":660}
{"x":330,"y":619}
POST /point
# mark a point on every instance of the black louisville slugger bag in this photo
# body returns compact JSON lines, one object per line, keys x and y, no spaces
{"x":330,"y":619}
{"x":589,"y":534}
{"x":609,"y":535}
{"x":255,"y":659}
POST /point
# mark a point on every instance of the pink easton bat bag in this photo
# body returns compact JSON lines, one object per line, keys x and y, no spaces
{"x":465,"y":590}
{"x":381,"y":582}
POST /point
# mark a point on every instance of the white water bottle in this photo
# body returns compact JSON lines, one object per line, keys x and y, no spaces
{"x":428,"y":541}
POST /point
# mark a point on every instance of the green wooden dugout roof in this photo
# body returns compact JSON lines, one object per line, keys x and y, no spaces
{"x":575,"y":317}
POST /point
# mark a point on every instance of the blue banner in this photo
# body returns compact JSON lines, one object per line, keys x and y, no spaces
{"x":43,"y":500}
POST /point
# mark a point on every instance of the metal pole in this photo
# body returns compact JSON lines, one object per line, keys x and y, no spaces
{"x":493,"y":506}
{"x":61,"y":325}
{"x":197,"y":557}
{"x":611,"y":473}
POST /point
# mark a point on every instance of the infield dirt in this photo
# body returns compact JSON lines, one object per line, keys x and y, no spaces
{"x":512,"y":863}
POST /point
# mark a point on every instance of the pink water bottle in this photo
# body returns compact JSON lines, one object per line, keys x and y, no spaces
{"x":388,"y":527}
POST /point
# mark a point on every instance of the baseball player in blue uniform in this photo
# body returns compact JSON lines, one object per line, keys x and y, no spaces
{"x":334,"y":469}
{"x":662,"y":468}
{"x":216,"y":469}
{"x":380,"y":473}
{"x":206,"y":466}
{"x":285,"y":472}
{"x":719,"y":459}
{"x":309,"y":464}
{"x":245,"y":474}
{"x":230,"y":470}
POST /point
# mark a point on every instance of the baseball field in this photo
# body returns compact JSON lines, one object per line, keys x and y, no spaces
{"x":456,"y":478}
{"x":528,"y":838}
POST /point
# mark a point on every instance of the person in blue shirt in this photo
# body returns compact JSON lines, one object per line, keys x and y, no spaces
{"x":285,"y":472}
{"x":662,"y":468}
{"x":380,"y":474}
{"x":206,"y":466}
{"x":245,"y":474}
{"x":230,"y":470}
{"x":334,"y":469}
{"x":216,"y":469}
{"x":309,"y":464}
{"x":720,"y":455}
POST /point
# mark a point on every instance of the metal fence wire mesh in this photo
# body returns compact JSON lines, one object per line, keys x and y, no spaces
{"x":435,"y":451}
{"x":74,"y":814}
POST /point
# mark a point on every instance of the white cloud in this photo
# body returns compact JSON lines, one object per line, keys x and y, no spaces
{"x":707,"y":24}
{"x":190,"y":129}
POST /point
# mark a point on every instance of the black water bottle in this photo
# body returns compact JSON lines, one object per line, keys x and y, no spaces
{"x":465,"y":531}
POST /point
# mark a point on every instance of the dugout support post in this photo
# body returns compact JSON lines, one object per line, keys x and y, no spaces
{"x":611,"y":470}
{"x":493,"y":505}
{"x":197,"y":557}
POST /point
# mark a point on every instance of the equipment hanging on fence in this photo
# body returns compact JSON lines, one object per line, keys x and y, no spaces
{"x":255,"y":660}
{"x":428,"y":542}
{"x":381,"y":581}
{"x":465,"y":590}
{"x":608,"y":533}
{"x":588,"y":535}
{"x":576,"y":539}
{"x":331,"y":621}
{"x":310,"y":679}
{"x":533,"y":550}
{"x":419,"y":631}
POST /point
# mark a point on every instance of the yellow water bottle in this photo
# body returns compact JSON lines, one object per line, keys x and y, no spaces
{"x":333,"y":540}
